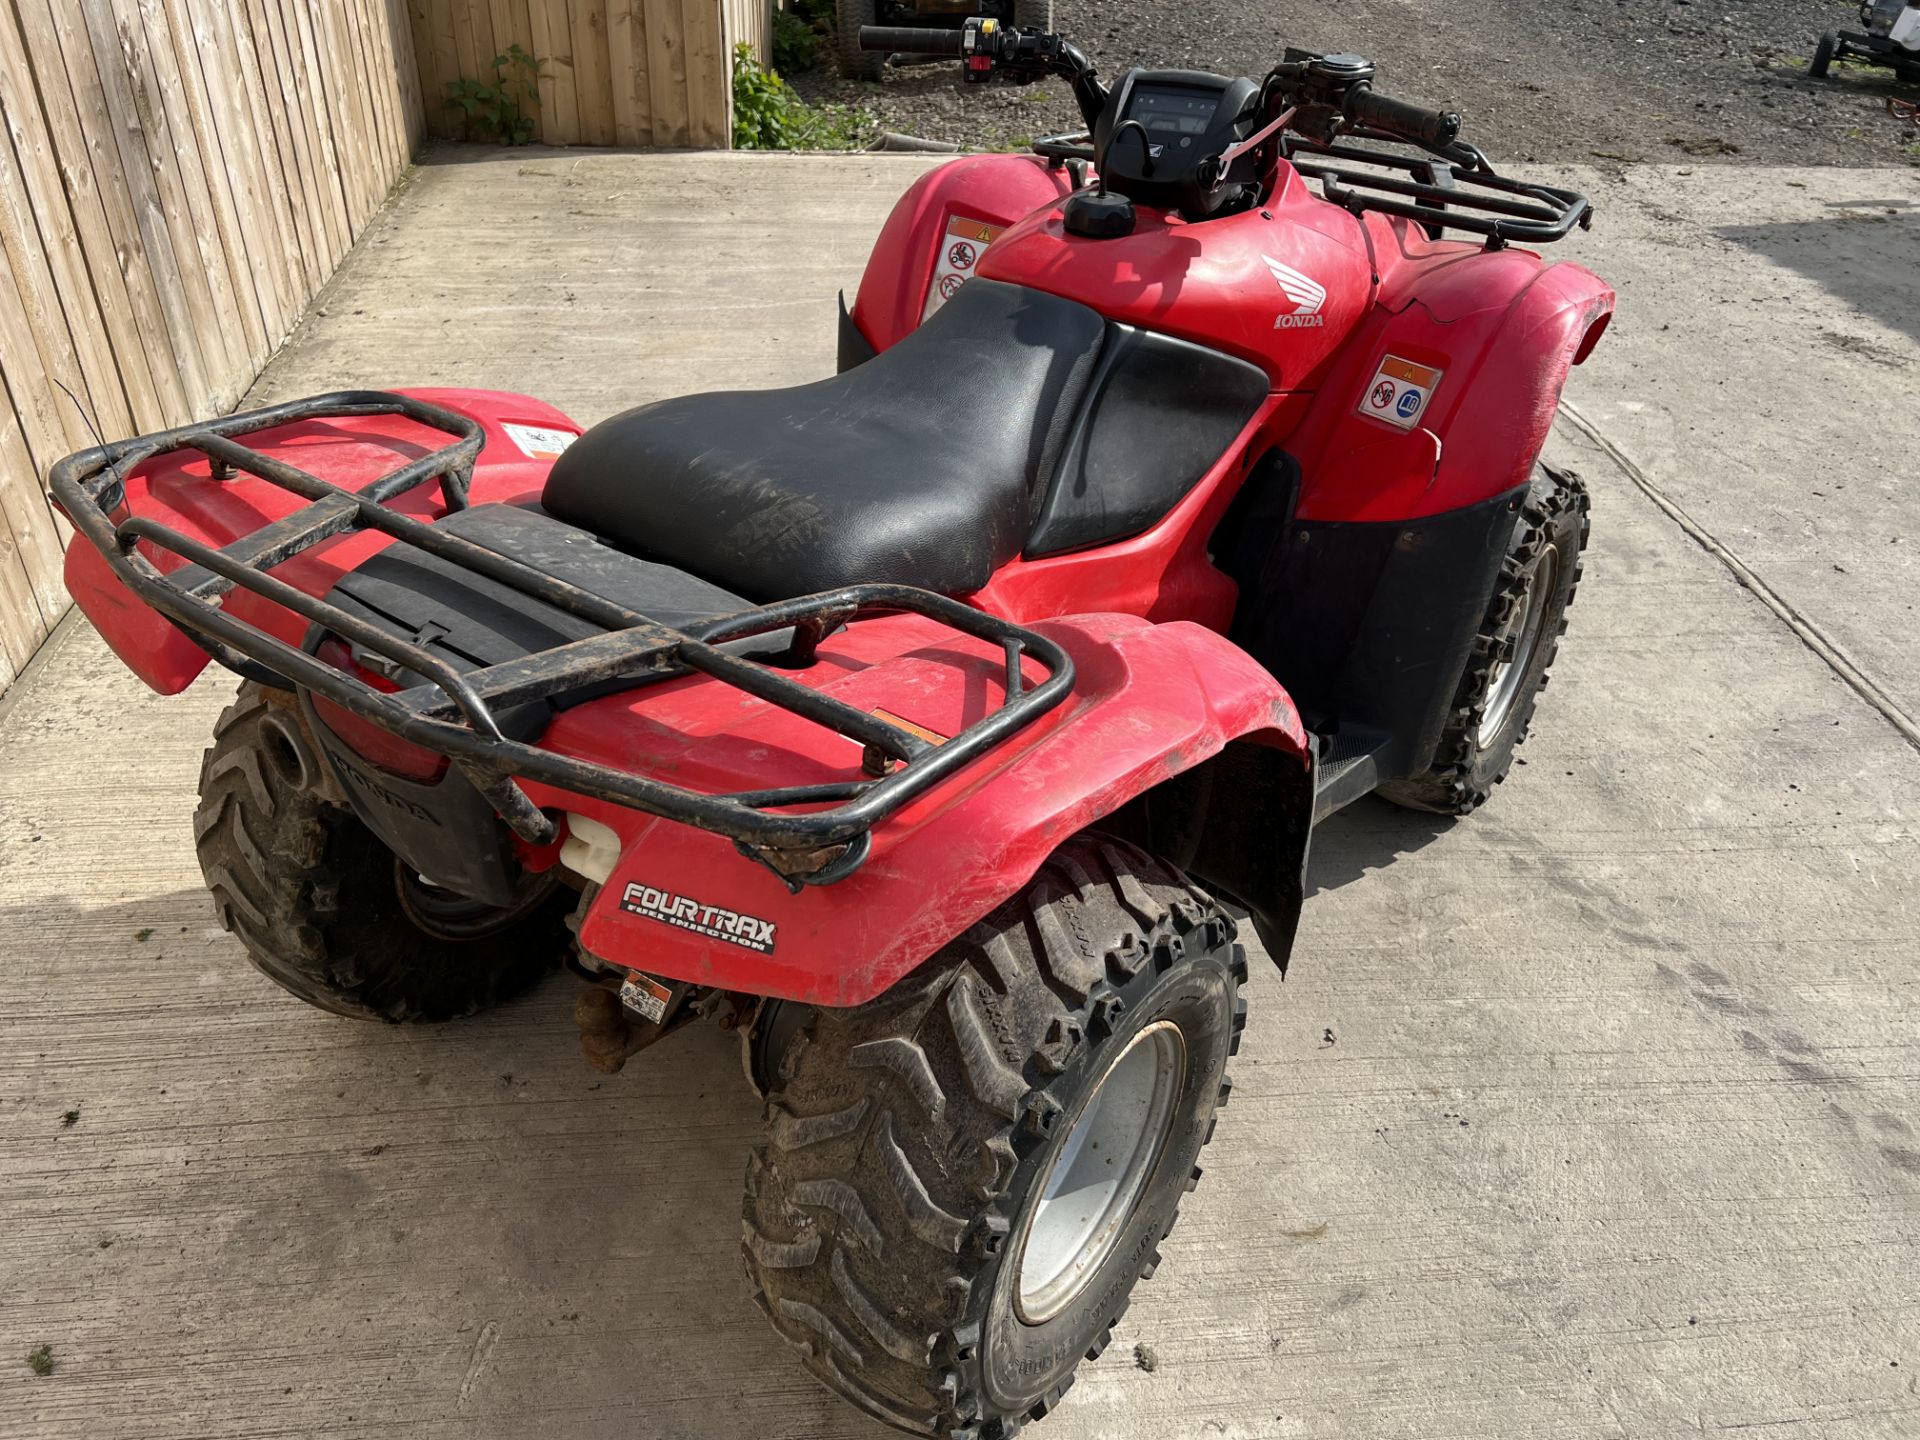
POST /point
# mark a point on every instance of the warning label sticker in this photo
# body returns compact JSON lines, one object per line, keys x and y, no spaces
{"x":538,"y":442}
{"x":961,"y":247}
{"x":645,"y":996}
{"x":1399,"y":392}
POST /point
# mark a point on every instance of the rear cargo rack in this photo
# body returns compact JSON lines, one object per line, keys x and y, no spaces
{"x":453,"y":712}
{"x":1456,"y":191}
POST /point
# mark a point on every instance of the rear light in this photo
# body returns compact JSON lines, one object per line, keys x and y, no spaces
{"x":373,"y":743}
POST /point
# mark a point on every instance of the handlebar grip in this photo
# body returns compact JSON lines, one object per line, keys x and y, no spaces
{"x":910,"y":40}
{"x":1436,"y":128}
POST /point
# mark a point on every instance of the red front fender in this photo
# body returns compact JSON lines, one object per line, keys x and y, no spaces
{"x":1501,"y":328}
{"x":1149,"y":702}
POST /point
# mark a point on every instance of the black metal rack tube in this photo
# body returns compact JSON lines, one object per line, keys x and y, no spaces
{"x":452,"y":711}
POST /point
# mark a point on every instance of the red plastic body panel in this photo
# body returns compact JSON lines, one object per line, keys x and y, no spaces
{"x":177,"y":491}
{"x":1163,"y":573}
{"x":1213,"y":283}
{"x":992,"y":189}
{"x":1149,"y":701}
{"x":1503,"y":326}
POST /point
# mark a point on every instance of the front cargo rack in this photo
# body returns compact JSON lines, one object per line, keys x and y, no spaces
{"x":1457,"y":190}
{"x":453,"y":712}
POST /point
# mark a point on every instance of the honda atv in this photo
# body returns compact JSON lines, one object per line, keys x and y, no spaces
{"x":937,"y":726}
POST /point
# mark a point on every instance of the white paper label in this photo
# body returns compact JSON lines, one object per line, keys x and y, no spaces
{"x":961,"y":247}
{"x":539,"y":442}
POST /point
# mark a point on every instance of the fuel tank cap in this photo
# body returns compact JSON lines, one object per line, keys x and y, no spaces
{"x":1098,"y":215}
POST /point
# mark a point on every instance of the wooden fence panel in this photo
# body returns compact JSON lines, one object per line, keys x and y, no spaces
{"x":592,"y":79}
{"x":627,"y":71}
{"x":612,"y":72}
{"x":177,"y":179}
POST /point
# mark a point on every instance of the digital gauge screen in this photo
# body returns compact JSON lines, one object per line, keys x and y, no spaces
{"x":1174,"y":112}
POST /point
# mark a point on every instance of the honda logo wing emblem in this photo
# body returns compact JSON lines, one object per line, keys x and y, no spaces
{"x":1306,"y":293}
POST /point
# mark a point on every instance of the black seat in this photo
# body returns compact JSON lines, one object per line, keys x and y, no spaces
{"x":923,"y":466}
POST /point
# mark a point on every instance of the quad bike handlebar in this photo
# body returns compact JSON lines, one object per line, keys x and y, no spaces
{"x":1308,"y":110}
{"x":1432,"y":129}
{"x":988,"y":47}
{"x":1331,"y":92}
{"x":910,"y":40}
{"x":1339,"y":83}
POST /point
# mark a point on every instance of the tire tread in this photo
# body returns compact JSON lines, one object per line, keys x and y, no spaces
{"x":277,"y":860}
{"x":987,"y":1027}
{"x":1455,"y":783}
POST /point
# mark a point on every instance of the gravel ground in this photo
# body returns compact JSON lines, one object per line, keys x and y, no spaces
{"x":1617,"y":80}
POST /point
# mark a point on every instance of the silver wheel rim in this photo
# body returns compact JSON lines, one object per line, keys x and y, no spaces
{"x":1523,"y":631}
{"x":1099,"y":1172}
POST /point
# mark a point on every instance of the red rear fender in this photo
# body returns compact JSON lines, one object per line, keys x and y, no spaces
{"x":1150,"y":702}
{"x":177,"y":491}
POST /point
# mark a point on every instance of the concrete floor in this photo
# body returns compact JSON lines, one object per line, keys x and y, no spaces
{"x":1593,"y":1115}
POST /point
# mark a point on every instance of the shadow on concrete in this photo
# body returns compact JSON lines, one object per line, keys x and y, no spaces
{"x":480,"y":1165}
{"x":438,"y":153}
{"x":1862,"y":255}
{"x":1368,"y":835}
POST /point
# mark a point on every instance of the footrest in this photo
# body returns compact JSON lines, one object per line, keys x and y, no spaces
{"x":1347,"y":768}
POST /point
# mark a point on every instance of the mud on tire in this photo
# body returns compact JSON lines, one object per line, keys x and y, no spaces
{"x":1474,"y":755}
{"x":317,"y":900}
{"x":910,"y":1138}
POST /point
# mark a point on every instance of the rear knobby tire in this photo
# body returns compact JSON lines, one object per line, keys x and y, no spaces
{"x":321,"y":905}
{"x":910,"y":1140}
{"x":1475,"y":754}
{"x":855,"y":63}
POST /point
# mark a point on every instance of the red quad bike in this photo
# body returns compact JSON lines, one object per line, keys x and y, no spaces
{"x":934,"y":726}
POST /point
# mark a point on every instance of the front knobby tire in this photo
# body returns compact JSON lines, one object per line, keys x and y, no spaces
{"x":889,"y":1223}
{"x":326,"y":911}
{"x":1512,"y":653}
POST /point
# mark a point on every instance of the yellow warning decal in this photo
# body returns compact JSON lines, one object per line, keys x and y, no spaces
{"x":1409,"y":373}
{"x":932,"y":737}
{"x":977,"y":231}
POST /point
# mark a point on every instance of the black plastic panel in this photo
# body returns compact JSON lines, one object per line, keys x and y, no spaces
{"x":472,"y":621}
{"x":444,"y":830}
{"x":1365,"y":624}
{"x":854,"y":348}
{"x":1160,"y":412}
